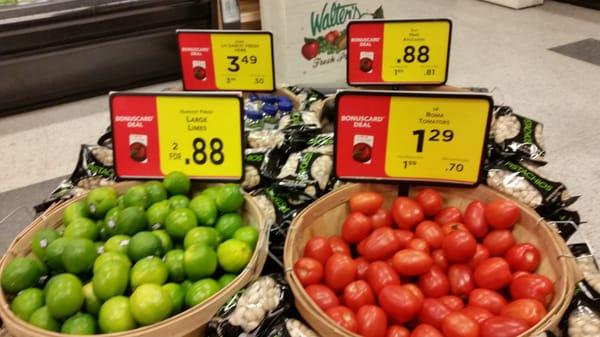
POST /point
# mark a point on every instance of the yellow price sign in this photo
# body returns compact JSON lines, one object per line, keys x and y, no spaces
{"x":227,"y":60}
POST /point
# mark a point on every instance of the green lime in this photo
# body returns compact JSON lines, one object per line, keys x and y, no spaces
{"x":234,"y":255}
{"x":79,"y":255}
{"x":91,"y":301}
{"x":41,"y":240}
{"x":82,"y":228}
{"x":177,"y":182}
{"x":115,"y":315}
{"x":156,"y":191}
{"x":150,"y":303}
{"x":26,"y":302}
{"x":118,"y":243}
{"x":211,"y":192}
{"x":131,"y":220}
{"x":180,"y":221}
{"x":157,"y":214}
{"x":43,"y":320}
{"x":99,"y":247}
{"x":103,"y":230}
{"x":79,"y":324}
{"x":41,"y":265}
{"x":109,"y":257}
{"x":202,"y":235}
{"x":110,"y":220}
{"x":77,"y":209}
{"x":54,"y":254}
{"x":20,"y":273}
{"x":144,"y":244}
{"x":64,"y":296}
{"x":228,"y":224}
{"x":176,"y":294}
{"x":225,"y":279}
{"x":179,"y":201}
{"x":205,"y":209}
{"x":248,"y":234}
{"x":230,"y":198}
{"x":199,"y":261}
{"x":136,"y":196}
{"x":121,"y":201}
{"x":174,"y":262}
{"x":110,"y":279}
{"x":100,"y":200}
{"x":165,"y":239}
{"x":185,"y":285}
{"x":201,"y":290}
{"x":149,"y":270}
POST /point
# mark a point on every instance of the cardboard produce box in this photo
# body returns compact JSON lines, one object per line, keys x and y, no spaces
{"x":310,"y":36}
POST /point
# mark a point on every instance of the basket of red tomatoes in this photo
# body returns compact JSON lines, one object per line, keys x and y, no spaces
{"x":439,"y":262}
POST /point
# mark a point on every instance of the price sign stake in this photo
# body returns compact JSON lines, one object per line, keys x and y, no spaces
{"x":157,"y":133}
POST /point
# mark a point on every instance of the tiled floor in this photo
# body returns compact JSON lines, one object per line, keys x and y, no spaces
{"x":492,"y":47}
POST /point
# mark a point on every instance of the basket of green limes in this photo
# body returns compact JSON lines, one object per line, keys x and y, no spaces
{"x":137,"y":258}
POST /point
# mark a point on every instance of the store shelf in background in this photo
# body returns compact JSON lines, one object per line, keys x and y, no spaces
{"x":517,"y":4}
{"x":238,"y":14}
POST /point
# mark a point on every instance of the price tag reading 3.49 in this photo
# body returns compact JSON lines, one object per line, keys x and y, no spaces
{"x":398,"y":51}
{"x":155,"y":134}
{"x":411,"y":136}
{"x":226,"y":60}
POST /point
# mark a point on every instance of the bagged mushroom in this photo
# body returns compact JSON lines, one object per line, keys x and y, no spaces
{"x":582,"y":318}
{"x":261,"y":167}
{"x":309,"y":172}
{"x":253,"y":311}
{"x":516,"y":134}
{"x":588,"y":266}
{"x":291,"y":327}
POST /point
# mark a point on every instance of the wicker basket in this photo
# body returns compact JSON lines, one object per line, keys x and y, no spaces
{"x":189,"y":322}
{"x":325,"y":218}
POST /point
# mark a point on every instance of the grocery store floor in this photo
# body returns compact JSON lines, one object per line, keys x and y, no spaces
{"x":492,"y":46}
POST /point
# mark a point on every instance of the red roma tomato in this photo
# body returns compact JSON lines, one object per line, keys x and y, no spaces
{"x":357,"y":294}
{"x":372,"y":321}
{"x":318,"y":248}
{"x":534,"y":286}
{"x":523,"y":257}
{"x":528,"y":310}
{"x":459,"y":325}
{"x":381,"y":244}
{"x":404,"y":237}
{"x":425,"y":330}
{"x":519,"y":274}
{"x":439,"y":259}
{"x":481,"y":254}
{"x":397,"y":331}
{"x":430,"y":201}
{"x":434,"y":283}
{"x":431,"y":232}
{"x":461,"y":280}
{"x":417,"y":292}
{"x":500,"y":326}
{"x":380,"y":275}
{"x":344,"y":317}
{"x":366,"y":202}
{"x":453,"y":303}
{"x":419,"y":244}
{"x":356,"y":227}
{"x":499,"y":242}
{"x":474,"y":219}
{"x":308,"y":270}
{"x":399,"y":303}
{"x":338,"y":245}
{"x":340,"y":270}
{"x":459,"y":246}
{"x":361,"y":268}
{"x":406,"y":212}
{"x":360,"y":247}
{"x":448,"y":215}
{"x":382,"y":218}
{"x":411,"y":262}
{"x":487,"y":299}
{"x":323,"y":297}
{"x":477,"y":314}
{"x":502,"y":214}
{"x":433,"y":312}
{"x":453,"y":227}
{"x":493,"y":273}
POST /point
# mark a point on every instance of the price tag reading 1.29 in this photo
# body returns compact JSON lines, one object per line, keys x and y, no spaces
{"x":155,"y":134}
{"x":226,"y":60}
{"x":399,"y":51}
{"x":411,"y":136}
